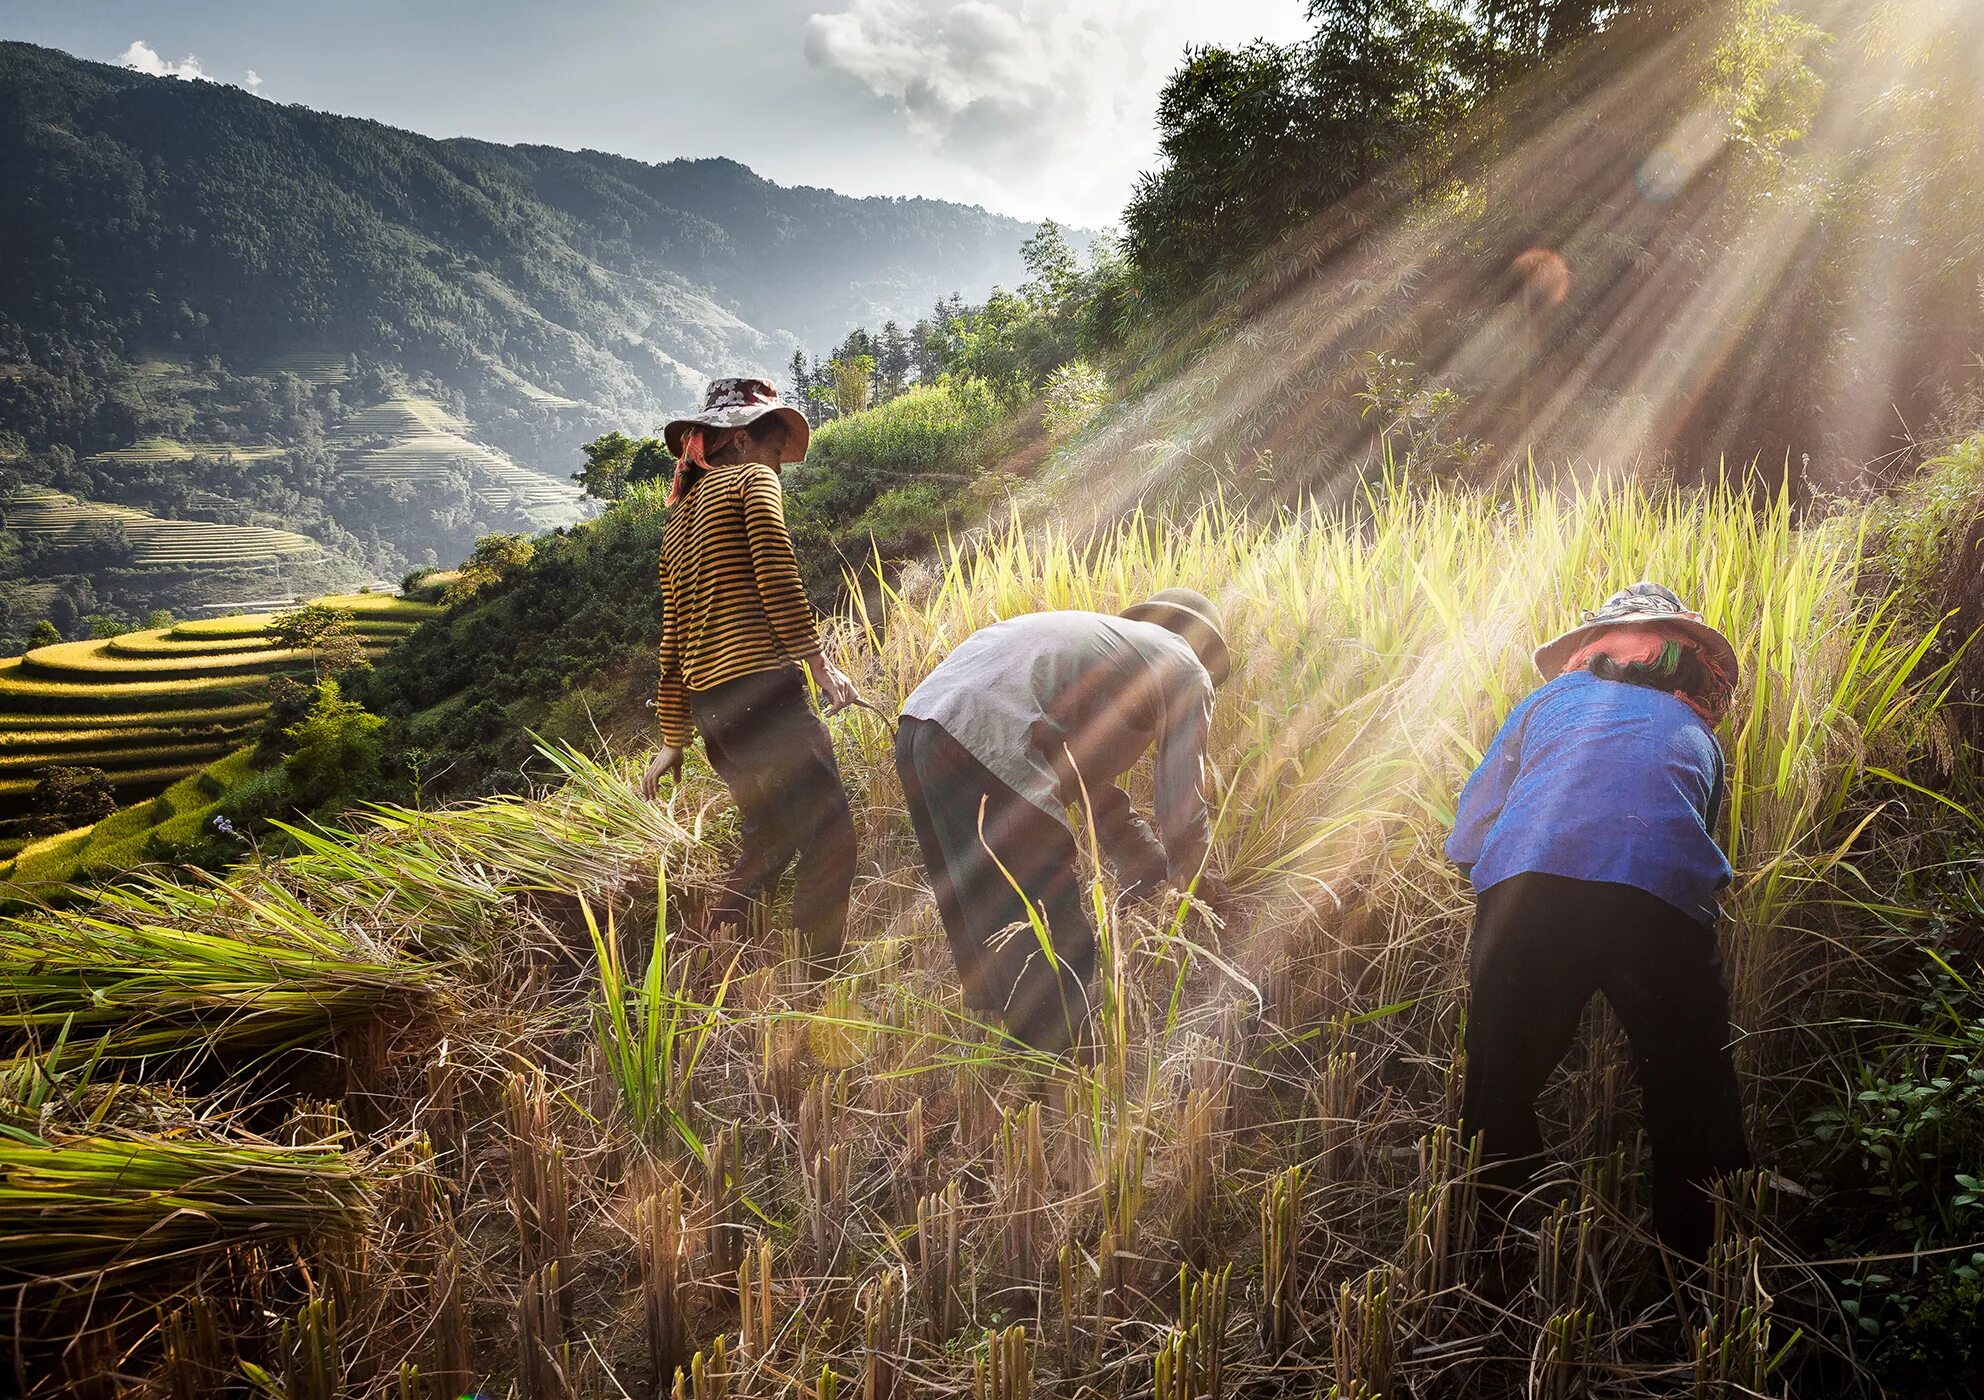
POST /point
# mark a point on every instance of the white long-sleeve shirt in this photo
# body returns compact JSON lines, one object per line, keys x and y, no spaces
{"x":1041,"y":698}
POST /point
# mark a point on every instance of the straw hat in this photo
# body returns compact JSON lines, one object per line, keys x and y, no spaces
{"x":1642,"y":605}
{"x":1194,"y":617}
{"x":738,"y":403}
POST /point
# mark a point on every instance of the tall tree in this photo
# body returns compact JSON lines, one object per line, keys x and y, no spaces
{"x":893,"y":360}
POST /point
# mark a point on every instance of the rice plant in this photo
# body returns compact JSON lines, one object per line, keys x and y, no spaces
{"x":74,"y":1207}
{"x":1249,"y":1185}
{"x":151,"y":967}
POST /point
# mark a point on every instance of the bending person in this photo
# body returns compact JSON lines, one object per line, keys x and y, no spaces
{"x":1027,"y":718}
{"x":737,"y":638}
{"x":1588,"y":832}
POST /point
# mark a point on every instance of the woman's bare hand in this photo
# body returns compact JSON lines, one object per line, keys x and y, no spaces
{"x":837,"y":692}
{"x":667,"y":759}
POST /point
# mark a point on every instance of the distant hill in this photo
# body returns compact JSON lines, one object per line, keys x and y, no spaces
{"x":189,"y":274}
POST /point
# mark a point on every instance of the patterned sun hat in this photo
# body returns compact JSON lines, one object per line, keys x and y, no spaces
{"x":1644,"y":603}
{"x":736,"y":403}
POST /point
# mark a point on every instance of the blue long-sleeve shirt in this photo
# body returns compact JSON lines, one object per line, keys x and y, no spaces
{"x":1599,"y":780}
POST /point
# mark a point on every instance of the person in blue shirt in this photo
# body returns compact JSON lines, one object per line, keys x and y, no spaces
{"x":1588,"y":832}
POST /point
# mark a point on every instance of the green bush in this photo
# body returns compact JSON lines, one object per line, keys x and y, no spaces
{"x":936,"y":437}
{"x":1901,"y":1167}
{"x":335,"y":750}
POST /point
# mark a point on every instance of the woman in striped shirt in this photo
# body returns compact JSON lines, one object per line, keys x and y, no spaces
{"x":738,"y":641}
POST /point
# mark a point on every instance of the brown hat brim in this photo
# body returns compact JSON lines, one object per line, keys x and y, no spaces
{"x":1553,"y":655}
{"x":741,"y":416}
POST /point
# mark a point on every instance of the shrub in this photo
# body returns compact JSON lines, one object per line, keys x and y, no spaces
{"x":66,"y":797}
{"x":334,"y":750}
{"x":1076,"y":392}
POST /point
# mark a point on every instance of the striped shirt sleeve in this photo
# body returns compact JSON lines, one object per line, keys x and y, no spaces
{"x":671,"y":696}
{"x":776,"y":566}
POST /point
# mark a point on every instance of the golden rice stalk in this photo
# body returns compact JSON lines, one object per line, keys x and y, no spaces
{"x":756,"y":1323}
{"x":659,"y":1244}
{"x":1363,"y":1338}
{"x":544,"y":1357}
{"x":1020,"y":1180}
{"x":939,"y":1259}
{"x":723,"y":1171}
{"x":1281,"y":1252}
{"x":1004,"y":1370}
{"x":1563,"y":1356}
{"x":133,"y":1204}
{"x":539,"y":1190}
{"x":881,"y":1307}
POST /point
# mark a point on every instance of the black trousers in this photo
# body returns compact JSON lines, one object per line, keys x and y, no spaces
{"x":969,"y":824}
{"x":1542,"y":945}
{"x":772,"y":751}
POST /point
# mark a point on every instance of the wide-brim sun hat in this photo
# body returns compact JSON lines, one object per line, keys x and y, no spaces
{"x":738,"y":403}
{"x":1645,"y":604}
{"x":1194,"y":617}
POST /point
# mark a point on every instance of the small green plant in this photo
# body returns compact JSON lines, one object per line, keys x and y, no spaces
{"x":651,"y":1033}
{"x":1903,"y":1155}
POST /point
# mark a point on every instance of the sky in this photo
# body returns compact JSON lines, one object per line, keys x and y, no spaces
{"x":1036,"y":108}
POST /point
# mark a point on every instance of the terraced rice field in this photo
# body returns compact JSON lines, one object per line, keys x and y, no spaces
{"x":153,"y":451}
{"x":119,"y":842}
{"x":151,"y":707}
{"x":425,"y":443}
{"x":400,"y":417}
{"x":313,"y":366}
{"x":155,"y":543}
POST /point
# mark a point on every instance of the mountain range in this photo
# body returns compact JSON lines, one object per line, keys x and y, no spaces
{"x":191,"y":274}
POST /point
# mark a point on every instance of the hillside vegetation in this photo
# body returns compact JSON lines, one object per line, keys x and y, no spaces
{"x":535,"y":1166}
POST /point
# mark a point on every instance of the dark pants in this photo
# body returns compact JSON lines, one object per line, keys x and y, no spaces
{"x":772,"y":751}
{"x":1542,"y":945}
{"x":985,"y":912}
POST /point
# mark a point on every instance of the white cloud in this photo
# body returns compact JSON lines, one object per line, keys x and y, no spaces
{"x":1048,"y":101}
{"x":144,"y":59}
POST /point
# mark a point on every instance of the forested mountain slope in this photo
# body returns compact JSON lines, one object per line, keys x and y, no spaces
{"x":176,"y":253}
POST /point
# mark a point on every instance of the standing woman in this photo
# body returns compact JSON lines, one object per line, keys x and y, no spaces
{"x":738,"y":640}
{"x":1589,"y":834}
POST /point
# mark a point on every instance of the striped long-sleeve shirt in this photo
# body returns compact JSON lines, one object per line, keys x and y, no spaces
{"x":731,"y":596}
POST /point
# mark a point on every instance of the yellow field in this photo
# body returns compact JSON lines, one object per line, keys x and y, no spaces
{"x":149,"y":707}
